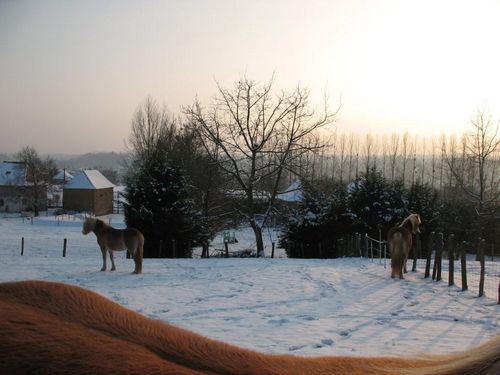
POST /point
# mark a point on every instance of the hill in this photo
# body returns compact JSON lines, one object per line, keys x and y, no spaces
{"x":99,"y":160}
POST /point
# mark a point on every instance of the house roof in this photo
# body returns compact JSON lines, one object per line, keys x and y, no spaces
{"x":89,"y":179}
{"x":12,"y":173}
{"x":293,"y":193}
{"x":63,"y":175}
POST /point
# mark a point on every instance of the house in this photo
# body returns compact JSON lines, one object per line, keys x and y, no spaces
{"x":16,"y":193}
{"x":62,"y":177}
{"x":89,"y":191}
{"x":292,"y":194}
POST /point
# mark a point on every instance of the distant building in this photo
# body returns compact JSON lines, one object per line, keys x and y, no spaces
{"x":292,"y":194}
{"x":62,"y":177}
{"x":16,"y":193}
{"x":89,"y":191}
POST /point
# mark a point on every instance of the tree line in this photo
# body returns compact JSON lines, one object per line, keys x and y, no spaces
{"x":191,"y":175}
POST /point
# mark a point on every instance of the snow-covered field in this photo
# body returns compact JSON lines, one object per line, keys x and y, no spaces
{"x":303,"y":307}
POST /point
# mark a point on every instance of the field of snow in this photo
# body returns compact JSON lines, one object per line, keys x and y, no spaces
{"x":303,"y":307}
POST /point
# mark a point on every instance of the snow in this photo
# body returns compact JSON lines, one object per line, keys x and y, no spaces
{"x":89,"y":179}
{"x":12,"y":174}
{"x":294,"y":193}
{"x":296,"y":306}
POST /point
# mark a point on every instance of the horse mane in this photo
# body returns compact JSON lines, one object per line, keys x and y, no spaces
{"x":53,"y":328}
{"x":411,"y":223}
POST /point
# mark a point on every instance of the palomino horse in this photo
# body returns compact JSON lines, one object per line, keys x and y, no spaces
{"x":400,"y":241}
{"x":53,"y":328}
{"x":111,"y":239}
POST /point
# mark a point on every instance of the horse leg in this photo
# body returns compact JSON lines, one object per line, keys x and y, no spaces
{"x":137,"y":261}
{"x":112,"y":257}
{"x":103,"y":251}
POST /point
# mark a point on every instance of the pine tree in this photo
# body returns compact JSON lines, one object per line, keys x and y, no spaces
{"x":158,"y":205}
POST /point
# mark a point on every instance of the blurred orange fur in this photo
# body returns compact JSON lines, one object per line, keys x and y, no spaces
{"x":53,"y":328}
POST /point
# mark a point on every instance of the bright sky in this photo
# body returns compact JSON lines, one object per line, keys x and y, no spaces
{"x":72,"y":73}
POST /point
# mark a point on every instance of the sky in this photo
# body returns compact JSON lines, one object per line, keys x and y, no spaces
{"x":72,"y":73}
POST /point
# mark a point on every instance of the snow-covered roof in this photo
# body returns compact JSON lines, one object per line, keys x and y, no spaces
{"x":13,"y":173}
{"x":89,"y":179}
{"x":63,"y":175}
{"x":293,"y":193}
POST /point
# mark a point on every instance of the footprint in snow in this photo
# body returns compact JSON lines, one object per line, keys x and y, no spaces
{"x":328,"y":342}
{"x":295,"y":347}
{"x":278,"y":321}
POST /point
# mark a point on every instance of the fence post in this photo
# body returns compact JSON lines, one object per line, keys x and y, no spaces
{"x":226,"y":246}
{"x":440,"y":257}
{"x":366,"y":244}
{"x":65,"y":243}
{"x":358,"y":244}
{"x":22,"y":246}
{"x":481,"y":260}
{"x":272,"y":249}
{"x":463,"y":263}
{"x":160,"y":249}
{"x":429,"y":255}
{"x":380,"y":242}
{"x":415,"y":252}
{"x":451,"y":259}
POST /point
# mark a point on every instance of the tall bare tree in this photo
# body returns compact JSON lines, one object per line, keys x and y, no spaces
{"x":39,"y":173}
{"x":260,"y":136}
{"x":480,"y":148}
{"x":153,"y":130}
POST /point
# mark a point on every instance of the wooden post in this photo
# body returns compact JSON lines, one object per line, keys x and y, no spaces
{"x":226,"y":246}
{"x":481,"y":260}
{"x":65,"y":243}
{"x":415,"y":252}
{"x":451,"y":260}
{"x":463,"y":262}
{"x":160,"y":248}
{"x":366,"y":244}
{"x":358,"y":244}
{"x":272,"y":251}
{"x":22,"y":246}
{"x":380,"y":242}
{"x":429,"y":255}
{"x":440,"y":257}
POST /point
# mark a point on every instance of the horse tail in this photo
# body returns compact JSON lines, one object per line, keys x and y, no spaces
{"x":484,"y":359}
{"x":397,"y":253}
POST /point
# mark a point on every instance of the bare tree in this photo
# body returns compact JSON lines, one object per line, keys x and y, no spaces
{"x":153,"y":130}
{"x":480,"y":149}
{"x":260,"y":136}
{"x":394,"y":154}
{"x":40,"y":173}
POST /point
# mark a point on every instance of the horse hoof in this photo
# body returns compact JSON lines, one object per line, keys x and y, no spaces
{"x":103,"y":269}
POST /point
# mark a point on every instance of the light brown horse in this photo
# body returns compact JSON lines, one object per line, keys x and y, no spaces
{"x":400,"y":240}
{"x":53,"y":328}
{"x":111,"y":239}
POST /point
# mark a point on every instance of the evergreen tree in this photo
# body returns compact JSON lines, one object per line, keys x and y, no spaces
{"x":158,"y":205}
{"x":375,"y":203}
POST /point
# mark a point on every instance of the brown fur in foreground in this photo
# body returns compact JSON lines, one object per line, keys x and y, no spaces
{"x":111,"y":239}
{"x":400,"y":240}
{"x":53,"y":328}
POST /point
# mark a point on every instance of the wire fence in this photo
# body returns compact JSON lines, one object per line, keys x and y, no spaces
{"x":464,"y":273}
